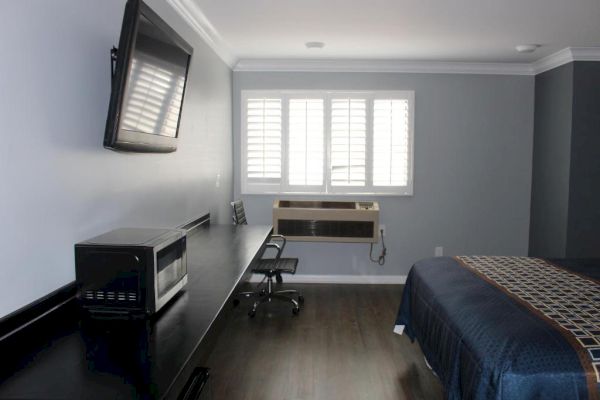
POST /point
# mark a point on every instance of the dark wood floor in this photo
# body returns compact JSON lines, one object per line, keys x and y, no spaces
{"x":341,"y":346}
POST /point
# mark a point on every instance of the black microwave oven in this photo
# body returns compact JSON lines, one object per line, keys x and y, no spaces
{"x":130,"y":271}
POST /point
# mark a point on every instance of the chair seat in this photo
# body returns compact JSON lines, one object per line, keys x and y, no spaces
{"x":282,"y":266}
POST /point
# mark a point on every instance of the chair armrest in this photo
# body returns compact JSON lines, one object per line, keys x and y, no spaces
{"x":275,"y":246}
{"x":280,"y":237}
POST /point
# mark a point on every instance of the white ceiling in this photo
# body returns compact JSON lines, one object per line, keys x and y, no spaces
{"x":424,"y":30}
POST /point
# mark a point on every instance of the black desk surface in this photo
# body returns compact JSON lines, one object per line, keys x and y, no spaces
{"x":65,"y":356}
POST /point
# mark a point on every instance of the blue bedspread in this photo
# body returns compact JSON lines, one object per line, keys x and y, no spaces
{"x":483,"y":343}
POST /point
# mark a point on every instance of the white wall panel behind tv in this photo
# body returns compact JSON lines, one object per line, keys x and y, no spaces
{"x":59,"y":185}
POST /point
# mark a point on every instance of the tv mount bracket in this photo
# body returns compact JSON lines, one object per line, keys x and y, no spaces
{"x":113,"y":60}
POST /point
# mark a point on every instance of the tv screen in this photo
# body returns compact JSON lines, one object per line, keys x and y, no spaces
{"x":148,"y":85}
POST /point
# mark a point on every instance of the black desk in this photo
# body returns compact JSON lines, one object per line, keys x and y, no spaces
{"x":63,"y":356}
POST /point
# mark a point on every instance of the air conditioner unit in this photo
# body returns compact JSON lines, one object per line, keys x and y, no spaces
{"x":327,"y":221}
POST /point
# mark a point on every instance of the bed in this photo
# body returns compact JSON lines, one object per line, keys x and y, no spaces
{"x":507,"y":327}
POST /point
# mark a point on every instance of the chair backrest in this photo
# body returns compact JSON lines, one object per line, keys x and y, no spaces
{"x":239,"y":215}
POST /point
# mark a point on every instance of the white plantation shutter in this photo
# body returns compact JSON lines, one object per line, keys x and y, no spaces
{"x":390,"y":142}
{"x":348,"y":142}
{"x":305,"y":142}
{"x":336,"y":142}
{"x":263,"y":135}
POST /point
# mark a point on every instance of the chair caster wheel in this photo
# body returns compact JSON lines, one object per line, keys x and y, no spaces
{"x":295,"y":310}
{"x":301,"y":299}
{"x":262,"y":292}
{"x":236,"y":302}
{"x":251,"y":313}
{"x":278,"y":278}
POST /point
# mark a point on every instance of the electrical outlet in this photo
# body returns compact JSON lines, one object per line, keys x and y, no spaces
{"x":438,"y":251}
{"x":382,"y":229}
{"x":218,"y":181}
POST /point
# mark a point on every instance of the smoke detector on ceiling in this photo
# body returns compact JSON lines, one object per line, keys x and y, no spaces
{"x":314,"y":45}
{"x":527,"y":48}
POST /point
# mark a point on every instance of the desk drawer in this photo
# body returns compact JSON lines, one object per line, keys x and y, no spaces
{"x":197,"y":386}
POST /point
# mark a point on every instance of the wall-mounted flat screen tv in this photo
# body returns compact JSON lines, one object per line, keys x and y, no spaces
{"x":149,"y":75}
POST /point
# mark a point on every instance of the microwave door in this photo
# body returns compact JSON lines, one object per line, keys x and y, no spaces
{"x":111,"y":277}
{"x":171,"y":272}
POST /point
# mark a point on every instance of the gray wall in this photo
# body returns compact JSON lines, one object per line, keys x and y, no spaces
{"x":584,"y":193}
{"x":565,"y":217}
{"x":59,"y":185}
{"x":551,"y":162}
{"x":472,"y":186}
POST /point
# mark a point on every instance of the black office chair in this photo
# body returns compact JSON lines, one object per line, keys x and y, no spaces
{"x":239,"y":218}
{"x":269,"y":267}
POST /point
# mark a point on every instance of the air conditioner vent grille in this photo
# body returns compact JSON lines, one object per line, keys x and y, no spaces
{"x":324,"y":228}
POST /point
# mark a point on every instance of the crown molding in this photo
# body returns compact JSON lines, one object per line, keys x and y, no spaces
{"x":585,"y":53}
{"x":565,"y":56}
{"x":552,"y":61}
{"x":193,"y":15}
{"x":427,"y":67}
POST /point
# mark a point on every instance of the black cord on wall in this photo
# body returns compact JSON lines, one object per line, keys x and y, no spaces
{"x":381,"y":259}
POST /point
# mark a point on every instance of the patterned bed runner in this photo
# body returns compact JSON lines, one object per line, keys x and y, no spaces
{"x":573,"y":306}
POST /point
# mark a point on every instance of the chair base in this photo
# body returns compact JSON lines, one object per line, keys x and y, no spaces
{"x":267,"y":295}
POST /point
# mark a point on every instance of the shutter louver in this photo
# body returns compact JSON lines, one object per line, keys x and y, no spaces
{"x":263,"y":147}
{"x":305,"y":142}
{"x":348,"y":142}
{"x":390,"y":142}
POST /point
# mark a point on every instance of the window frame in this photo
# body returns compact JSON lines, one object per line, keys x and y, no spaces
{"x":271,"y":187}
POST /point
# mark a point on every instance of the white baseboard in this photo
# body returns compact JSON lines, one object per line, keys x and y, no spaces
{"x":346,"y":279}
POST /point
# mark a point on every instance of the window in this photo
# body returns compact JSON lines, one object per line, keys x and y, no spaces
{"x":306,"y":137}
{"x":327,"y":142}
{"x":263,"y":140}
{"x":348,"y":142}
